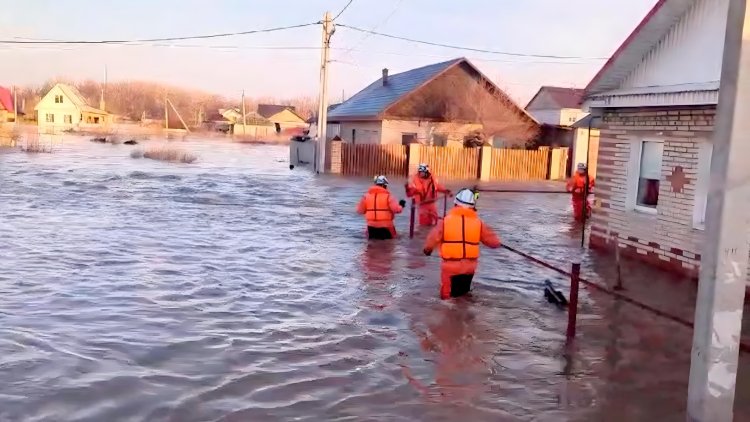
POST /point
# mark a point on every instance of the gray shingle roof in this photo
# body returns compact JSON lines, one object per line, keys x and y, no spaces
{"x":374,"y":99}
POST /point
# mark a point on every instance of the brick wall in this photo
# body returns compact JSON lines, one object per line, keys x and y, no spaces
{"x":666,"y":239}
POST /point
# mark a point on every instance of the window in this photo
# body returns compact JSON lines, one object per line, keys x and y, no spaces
{"x":705,"y":152}
{"x":646,"y":160}
{"x":58,"y":99}
{"x":68,"y":119}
{"x":50,"y":118}
{"x":96,"y":120}
{"x":408,"y":138}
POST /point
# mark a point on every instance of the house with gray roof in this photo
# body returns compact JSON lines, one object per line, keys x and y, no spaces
{"x":439,"y":104}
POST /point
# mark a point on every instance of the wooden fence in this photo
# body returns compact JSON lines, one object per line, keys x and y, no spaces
{"x":450,"y":162}
{"x":519,"y":164}
{"x":371,"y":160}
{"x":445,"y":162}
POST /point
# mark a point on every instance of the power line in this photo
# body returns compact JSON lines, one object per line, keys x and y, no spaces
{"x":146,"y":40}
{"x":479,"y":50}
{"x":344,"y":9}
{"x":381,"y":23}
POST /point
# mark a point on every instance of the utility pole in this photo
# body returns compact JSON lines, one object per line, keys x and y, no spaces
{"x":15,"y":105}
{"x":244,"y":120}
{"x":328,"y":31}
{"x":721,"y":291}
{"x":166,"y":113}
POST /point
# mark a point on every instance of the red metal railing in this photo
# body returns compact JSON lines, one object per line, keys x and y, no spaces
{"x":576,"y":280}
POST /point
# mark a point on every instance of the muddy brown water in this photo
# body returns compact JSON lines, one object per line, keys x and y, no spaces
{"x":234,"y":289}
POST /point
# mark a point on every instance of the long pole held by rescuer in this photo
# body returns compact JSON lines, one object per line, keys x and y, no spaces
{"x":412,"y":213}
{"x":575,"y":278}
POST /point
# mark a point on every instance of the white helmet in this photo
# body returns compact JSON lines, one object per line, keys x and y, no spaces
{"x":381,"y":180}
{"x":423,"y":168}
{"x":581,"y":166}
{"x":466,"y":198}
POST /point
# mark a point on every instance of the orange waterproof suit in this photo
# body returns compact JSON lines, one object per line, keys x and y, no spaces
{"x":576,"y":186}
{"x":459,"y":237}
{"x":379,"y":208}
{"x":425,"y":193}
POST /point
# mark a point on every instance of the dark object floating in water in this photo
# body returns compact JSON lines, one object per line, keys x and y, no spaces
{"x":131,"y":142}
{"x":99,"y":140}
{"x":291,"y":166}
{"x":554,"y":296}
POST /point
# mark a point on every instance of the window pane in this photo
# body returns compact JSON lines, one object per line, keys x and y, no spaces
{"x":648,"y":193}
{"x":651,"y":155}
{"x":650,"y":174}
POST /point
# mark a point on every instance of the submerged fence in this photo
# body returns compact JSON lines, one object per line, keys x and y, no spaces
{"x":484,"y":163}
{"x":369,"y":160}
{"x":519,"y":164}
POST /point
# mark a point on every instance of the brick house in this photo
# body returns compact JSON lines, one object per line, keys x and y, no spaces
{"x":654,"y":101}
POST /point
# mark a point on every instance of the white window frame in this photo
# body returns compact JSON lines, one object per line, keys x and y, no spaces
{"x":705,"y":152}
{"x":634,"y":174}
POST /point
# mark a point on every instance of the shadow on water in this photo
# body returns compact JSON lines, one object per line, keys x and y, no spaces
{"x":233,"y":289}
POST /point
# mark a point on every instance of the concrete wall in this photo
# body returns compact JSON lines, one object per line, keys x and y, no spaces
{"x":365,"y":132}
{"x":428,"y":133}
{"x":301,"y":153}
{"x":672,"y":236}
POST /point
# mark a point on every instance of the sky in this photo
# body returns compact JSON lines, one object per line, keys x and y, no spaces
{"x":265,"y":66}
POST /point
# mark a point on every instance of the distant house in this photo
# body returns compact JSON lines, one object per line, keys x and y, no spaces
{"x":282,"y":117}
{"x":253,"y":125}
{"x":655,"y":101}
{"x":64,"y":108}
{"x":6,"y":105}
{"x":439,"y":104}
{"x":231,"y":115}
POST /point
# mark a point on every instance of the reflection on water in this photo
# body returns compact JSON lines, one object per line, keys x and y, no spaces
{"x":234,"y":289}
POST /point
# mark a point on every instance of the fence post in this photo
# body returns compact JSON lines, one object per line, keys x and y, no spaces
{"x":336,"y":163}
{"x":485,"y":163}
{"x":575,"y":274}
{"x":414,"y":158}
{"x":411,"y":219}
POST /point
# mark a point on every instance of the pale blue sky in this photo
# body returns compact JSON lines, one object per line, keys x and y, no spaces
{"x":586,"y":28}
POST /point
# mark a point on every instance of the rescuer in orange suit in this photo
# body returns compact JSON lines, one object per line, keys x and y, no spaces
{"x":577,"y":187}
{"x":459,"y":236}
{"x":380,"y":208}
{"x":424,"y":188}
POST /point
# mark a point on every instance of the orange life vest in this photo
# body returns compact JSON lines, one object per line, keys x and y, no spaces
{"x":377,"y":207}
{"x":462,"y":231}
{"x":426,"y":188}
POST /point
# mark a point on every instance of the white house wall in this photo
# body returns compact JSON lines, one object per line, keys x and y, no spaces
{"x":691,"y":52}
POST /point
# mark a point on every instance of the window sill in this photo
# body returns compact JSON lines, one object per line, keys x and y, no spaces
{"x":645,"y":210}
{"x":699,"y":226}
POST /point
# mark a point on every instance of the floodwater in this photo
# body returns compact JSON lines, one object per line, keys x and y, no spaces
{"x":234,"y":289}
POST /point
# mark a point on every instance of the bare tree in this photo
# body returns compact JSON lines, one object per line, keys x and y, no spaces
{"x":460,"y":98}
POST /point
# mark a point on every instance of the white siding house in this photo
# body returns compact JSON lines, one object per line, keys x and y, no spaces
{"x":655,"y":102}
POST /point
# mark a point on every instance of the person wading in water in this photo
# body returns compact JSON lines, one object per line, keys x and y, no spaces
{"x":459,"y":236}
{"x":424,"y":188}
{"x":380,"y":208}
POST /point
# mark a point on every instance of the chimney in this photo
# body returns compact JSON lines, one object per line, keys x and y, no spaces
{"x":385,"y":76}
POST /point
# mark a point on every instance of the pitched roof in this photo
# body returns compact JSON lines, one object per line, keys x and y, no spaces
{"x":373,"y":101}
{"x":654,"y":26}
{"x":6,"y":99}
{"x":268,"y":110}
{"x":314,"y":117}
{"x":375,"y":98}
{"x":76,"y":98}
{"x":562,"y":97}
{"x":254,"y":119}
